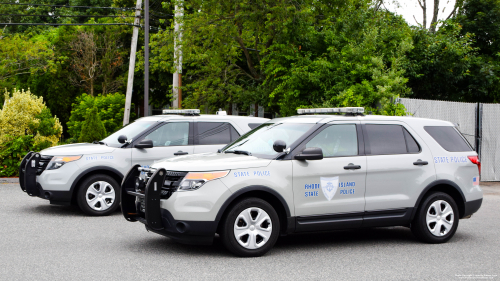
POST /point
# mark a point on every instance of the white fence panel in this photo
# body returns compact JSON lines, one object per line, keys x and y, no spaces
{"x":490,"y":142}
{"x":462,"y":114}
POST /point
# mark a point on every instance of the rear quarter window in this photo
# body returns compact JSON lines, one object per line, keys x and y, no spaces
{"x":448,"y":138}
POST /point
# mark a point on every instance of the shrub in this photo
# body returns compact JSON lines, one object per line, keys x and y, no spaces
{"x":92,"y":128}
{"x":14,"y":149}
{"x":110,"y":108}
{"x":26,"y":114}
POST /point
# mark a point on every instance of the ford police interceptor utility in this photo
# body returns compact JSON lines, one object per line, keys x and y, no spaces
{"x":89,"y":174}
{"x":312,"y":173}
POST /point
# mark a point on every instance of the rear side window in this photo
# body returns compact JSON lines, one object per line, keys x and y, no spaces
{"x":215,"y":133}
{"x":448,"y":138}
{"x":389,"y":139}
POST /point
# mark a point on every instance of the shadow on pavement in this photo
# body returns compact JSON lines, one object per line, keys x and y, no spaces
{"x":296,"y":242}
{"x":59,"y":210}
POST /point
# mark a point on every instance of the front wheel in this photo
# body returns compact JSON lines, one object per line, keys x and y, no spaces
{"x":437,"y":219}
{"x":251,"y":228}
{"x":98,"y":195}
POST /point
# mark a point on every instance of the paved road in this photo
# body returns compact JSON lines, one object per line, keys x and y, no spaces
{"x":43,"y":242}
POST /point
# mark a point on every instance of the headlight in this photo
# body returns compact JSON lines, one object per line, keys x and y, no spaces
{"x":58,"y":161}
{"x":193,"y":181}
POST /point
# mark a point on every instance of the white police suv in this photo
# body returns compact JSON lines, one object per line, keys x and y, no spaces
{"x":312,"y":173}
{"x":90,"y":174}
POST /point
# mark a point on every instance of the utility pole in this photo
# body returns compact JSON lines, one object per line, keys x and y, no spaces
{"x":177,"y":84}
{"x":131,"y":67}
{"x":146,"y":57}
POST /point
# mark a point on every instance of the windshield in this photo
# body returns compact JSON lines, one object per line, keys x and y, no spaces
{"x":259,"y":142}
{"x":131,"y":131}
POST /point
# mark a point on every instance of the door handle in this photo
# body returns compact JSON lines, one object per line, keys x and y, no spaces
{"x":180,"y":152}
{"x":420,"y":162}
{"x":352,"y":167}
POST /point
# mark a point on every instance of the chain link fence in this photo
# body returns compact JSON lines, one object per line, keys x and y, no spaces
{"x":479,"y":123}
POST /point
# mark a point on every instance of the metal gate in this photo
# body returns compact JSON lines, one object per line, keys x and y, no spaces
{"x":479,"y":123}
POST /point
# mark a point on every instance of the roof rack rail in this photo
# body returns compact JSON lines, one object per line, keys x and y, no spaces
{"x":352,"y":111}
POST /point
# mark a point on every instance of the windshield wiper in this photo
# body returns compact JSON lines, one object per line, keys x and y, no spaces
{"x":239,"y":152}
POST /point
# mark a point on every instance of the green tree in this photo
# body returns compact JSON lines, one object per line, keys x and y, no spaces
{"x":481,"y":19}
{"x":110,"y":107}
{"x":348,"y":57}
{"x":440,"y":63}
{"x":92,"y":128}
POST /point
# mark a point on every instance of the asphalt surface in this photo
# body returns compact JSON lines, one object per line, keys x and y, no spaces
{"x":43,"y":242}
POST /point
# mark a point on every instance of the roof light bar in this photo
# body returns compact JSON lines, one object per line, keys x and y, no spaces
{"x":182,"y":111}
{"x":348,"y":110}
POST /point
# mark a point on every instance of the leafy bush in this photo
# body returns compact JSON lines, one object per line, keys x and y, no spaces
{"x":92,"y":128}
{"x":110,"y":108}
{"x":26,"y":114}
{"x":14,"y":149}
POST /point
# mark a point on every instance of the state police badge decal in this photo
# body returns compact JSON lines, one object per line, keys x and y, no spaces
{"x":329,"y":186}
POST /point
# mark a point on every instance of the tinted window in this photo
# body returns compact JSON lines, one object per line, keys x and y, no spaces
{"x":336,"y":140}
{"x":411,"y":144}
{"x":254,"y":125}
{"x":234,"y":134}
{"x":448,"y":138}
{"x":170,"y":134}
{"x":213,"y":133}
{"x":386,"y":139}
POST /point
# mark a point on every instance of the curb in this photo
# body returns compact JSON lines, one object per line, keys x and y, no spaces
{"x":9,"y":180}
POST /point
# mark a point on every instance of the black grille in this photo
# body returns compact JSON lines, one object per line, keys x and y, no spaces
{"x":172,"y":182}
{"x":42,"y":164}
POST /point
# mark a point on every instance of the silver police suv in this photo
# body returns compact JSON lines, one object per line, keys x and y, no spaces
{"x":312,"y":173}
{"x":90,"y":174}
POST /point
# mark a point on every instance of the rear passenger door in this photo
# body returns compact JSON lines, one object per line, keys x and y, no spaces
{"x":399,"y":165}
{"x":210,"y":136}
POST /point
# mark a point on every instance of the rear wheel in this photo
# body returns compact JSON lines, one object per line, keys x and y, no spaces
{"x":251,"y":228}
{"x":98,"y":195}
{"x":437,"y":219}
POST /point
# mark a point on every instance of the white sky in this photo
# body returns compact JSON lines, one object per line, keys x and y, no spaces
{"x":410,"y":8}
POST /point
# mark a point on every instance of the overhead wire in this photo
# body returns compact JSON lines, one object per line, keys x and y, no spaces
{"x":67,"y":16}
{"x":65,"y":6}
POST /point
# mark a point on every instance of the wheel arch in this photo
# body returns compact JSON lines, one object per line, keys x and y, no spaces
{"x":264,"y":193}
{"x":447,"y":187}
{"x":115,"y":174}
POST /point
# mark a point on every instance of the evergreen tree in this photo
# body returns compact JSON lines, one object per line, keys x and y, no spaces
{"x":93,"y":128}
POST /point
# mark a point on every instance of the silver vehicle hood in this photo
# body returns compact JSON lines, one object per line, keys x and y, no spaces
{"x":211,"y":162}
{"x":77,"y":149}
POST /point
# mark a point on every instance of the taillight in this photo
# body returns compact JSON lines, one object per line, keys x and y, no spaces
{"x":475,"y":160}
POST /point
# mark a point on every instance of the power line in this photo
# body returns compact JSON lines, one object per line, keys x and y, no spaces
{"x":64,"y":6}
{"x":65,"y":16}
{"x":57,"y":24}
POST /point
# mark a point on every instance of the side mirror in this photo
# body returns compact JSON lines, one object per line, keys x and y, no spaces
{"x":311,"y":153}
{"x":144,"y":144}
{"x":279,"y":145}
{"x":122,"y":138}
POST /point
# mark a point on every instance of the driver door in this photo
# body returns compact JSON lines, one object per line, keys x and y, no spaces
{"x":169,"y":140}
{"x":329,"y":193}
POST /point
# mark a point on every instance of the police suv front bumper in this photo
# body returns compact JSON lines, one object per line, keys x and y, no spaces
{"x":32,"y":166}
{"x":144,"y":206}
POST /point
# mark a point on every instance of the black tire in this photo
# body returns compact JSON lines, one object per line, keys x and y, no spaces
{"x":419,"y":226}
{"x":227,"y":234}
{"x":82,"y":193}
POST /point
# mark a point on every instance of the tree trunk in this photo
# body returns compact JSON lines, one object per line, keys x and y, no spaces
{"x":432,"y":27}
